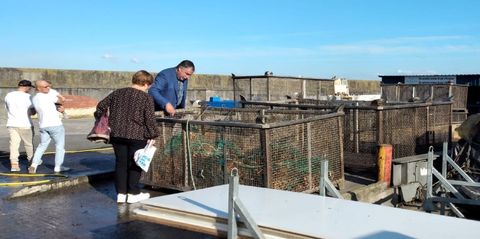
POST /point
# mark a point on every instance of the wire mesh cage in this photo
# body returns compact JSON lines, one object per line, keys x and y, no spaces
{"x":279,"y":149}
{"x":274,"y":88}
{"x":429,"y":92}
{"x":409,"y":127}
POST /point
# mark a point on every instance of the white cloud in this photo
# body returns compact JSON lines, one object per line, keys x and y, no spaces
{"x":415,"y":46}
{"x":406,"y":45}
{"x":367,"y":49}
{"x":107,"y":56}
{"x":110,"y":57}
{"x":416,"y":39}
{"x":135,"y":60}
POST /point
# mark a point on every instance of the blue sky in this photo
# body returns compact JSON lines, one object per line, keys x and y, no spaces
{"x":352,"y":38}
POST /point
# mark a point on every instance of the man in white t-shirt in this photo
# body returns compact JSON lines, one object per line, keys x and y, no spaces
{"x":51,"y":127}
{"x":60,"y":99}
{"x":20,"y":128}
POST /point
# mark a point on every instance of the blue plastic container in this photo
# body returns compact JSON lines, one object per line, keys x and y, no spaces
{"x":217,"y":102}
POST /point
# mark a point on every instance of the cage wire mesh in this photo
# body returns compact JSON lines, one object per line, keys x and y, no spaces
{"x":460,"y":95}
{"x":389,"y":93}
{"x":274,"y":88}
{"x":423,"y":92}
{"x":403,"y":130}
{"x":430,"y":92}
{"x":405,"y":93}
{"x":440,"y":124}
{"x":279,"y":149}
{"x":441,"y":92}
{"x":409,"y":127}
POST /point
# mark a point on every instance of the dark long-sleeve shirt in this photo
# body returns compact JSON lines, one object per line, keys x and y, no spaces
{"x":131,"y":114}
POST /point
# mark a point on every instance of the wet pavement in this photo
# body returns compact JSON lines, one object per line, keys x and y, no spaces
{"x":84,"y":211}
{"x":80,"y":205}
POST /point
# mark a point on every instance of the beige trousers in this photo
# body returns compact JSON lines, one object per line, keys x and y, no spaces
{"x":17,"y":135}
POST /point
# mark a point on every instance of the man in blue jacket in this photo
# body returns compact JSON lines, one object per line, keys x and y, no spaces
{"x":169,"y":90}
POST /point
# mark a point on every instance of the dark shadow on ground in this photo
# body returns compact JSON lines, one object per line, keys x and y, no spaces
{"x":360,"y":179}
{"x":96,"y":162}
{"x":145,"y":230}
{"x":4,"y":154}
{"x":5,"y":162}
{"x":97,"y":182}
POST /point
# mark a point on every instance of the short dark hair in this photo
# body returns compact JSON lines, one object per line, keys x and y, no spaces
{"x":142,"y":77}
{"x":186,"y":64}
{"x":25,"y":83}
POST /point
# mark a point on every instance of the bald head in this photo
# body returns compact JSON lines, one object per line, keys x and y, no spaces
{"x":42,"y":86}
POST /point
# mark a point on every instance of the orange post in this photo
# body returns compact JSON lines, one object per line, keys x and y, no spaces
{"x":385,"y":163}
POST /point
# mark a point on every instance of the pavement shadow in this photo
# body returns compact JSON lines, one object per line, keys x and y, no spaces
{"x":145,"y":230}
{"x":96,"y":181}
{"x":359,"y":179}
{"x":5,"y":162}
{"x":97,"y":162}
{"x":4,"y":154}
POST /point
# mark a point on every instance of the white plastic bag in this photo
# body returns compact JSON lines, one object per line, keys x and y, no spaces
{"x":143,"y":157}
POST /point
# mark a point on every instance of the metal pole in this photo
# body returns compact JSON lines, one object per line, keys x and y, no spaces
{"x":235,"y":206}
{"x":267,"y":155}
{"x":356,"y":130}
{"x":304,"y":91}
{"x":323,"y":175}
{"x":444,"y":160}
{"x":185,"y":156}
{"x":397,"y":93}
{"x":250,"y":98}
{"x":268,"y":89}
{"x":225,"y":159}
{"x":380,"y":132}
{"x":232,"y":195}
{"x":429,"y":172}
{"x":309,"y":155}
{"x":340,"y":123}
{"x":234,"y":88}
{"x":325,"y":184}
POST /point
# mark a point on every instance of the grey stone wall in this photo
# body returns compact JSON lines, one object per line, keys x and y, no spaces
{"x":200,"y":84}
{"x":66,"y":78}
{"x":98,"y":84}
{"x":364,"y":87}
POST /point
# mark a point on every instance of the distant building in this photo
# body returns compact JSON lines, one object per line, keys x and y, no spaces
{"x":463,"y":79}
{"x":340,"y":86}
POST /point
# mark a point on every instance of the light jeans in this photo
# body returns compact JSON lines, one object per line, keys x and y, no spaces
{"x":57,"y":133}
{"x":18,"y":134}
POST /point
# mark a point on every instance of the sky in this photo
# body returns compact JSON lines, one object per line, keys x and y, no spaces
{"x":353,"y":39}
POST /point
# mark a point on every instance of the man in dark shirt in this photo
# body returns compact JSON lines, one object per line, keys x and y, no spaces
{"x":169,"y":90}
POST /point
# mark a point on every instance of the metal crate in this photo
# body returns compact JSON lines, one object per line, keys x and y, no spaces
{"x":409,"y":127}
{"x":273,"y":88}
{"x":430,"y":92}
{"x":279,"y":149}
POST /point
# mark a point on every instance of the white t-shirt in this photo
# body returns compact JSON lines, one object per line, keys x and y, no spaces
{"x":54,"y":94}
{"x":18,"y":104}
{"x":46,"y":110}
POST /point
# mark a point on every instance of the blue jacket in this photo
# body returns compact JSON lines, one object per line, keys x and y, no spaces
{"x":165,"y":89}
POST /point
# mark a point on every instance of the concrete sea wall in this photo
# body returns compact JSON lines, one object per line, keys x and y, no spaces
{"x":98,"y":84}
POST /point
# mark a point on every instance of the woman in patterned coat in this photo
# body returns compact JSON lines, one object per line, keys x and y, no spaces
{"x":132,"y":122}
